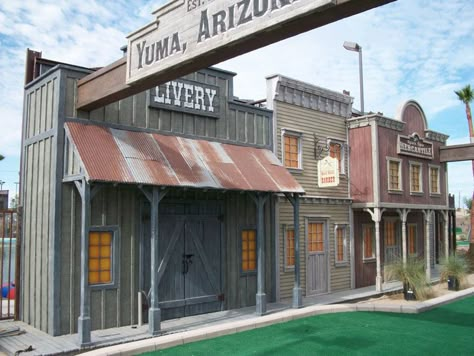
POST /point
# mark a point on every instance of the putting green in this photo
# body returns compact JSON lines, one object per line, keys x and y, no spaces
{"x":446,"y":330}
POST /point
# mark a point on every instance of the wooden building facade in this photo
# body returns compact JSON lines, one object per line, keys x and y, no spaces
{"x":309,"y":127}
{"x":169,"y":193}
{"x":399,"y":191}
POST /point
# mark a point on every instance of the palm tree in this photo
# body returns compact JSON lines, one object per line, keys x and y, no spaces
{"x":466,"y":95}
{"x":1,"y":157}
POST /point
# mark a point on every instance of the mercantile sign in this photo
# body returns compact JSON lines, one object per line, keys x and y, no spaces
{"x":185,"y":29}
{"x":415,"y":146}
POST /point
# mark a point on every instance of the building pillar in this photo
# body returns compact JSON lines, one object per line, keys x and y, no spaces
{"x":428,"y":219}
{"x":84,"y":320}
{"x":154,"y":313}
{"x":376,"y":215}
{"x":403,"y":217}
{"x":446,"y":232}
{"x":297,"y":290}
{"x":261,"y":298}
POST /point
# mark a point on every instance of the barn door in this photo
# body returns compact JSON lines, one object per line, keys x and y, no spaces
{"x":391,"y":241}
{"x":317,"y":260}
{"x":189,"y":267}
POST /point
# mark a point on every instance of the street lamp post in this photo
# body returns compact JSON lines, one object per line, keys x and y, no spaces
{"x":1,"y":184}
{"x":352,"y":46}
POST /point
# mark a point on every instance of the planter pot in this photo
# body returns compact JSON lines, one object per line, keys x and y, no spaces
{"x":453,"y":283}
{"x":408,"y":292}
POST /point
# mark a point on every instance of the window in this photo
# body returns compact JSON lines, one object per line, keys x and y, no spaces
{"x":390,"y":230}
{"x":316,"y":237}
{"x":290,"y":247}
{"x":249,"y":256}
{"x":336,"y":150}
{"x":341,"y":244}
{"x":434,"y":180}
{"x":368,"y":242}
{"x":100,"y":257}
{"x":416,"y":185}
{"x":292,"y":149}
{"x":411,"y":239}
{"x":394,"y":175}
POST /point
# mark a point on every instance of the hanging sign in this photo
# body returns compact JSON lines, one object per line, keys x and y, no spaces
{"x":186,"y":29}
{"x":328,"y":172}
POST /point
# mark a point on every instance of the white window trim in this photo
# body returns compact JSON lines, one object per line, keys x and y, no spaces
{"x":416,"y":240}
{"x":391,"y":159}
{"x":286,"y":267}
{"x":368,"y":259}
{"x":343,"y":152}
{"x":429,"y":179}
{"x":345,"y":260}
{"x":299,"y":135}
{"x":420,"y":177}
{"x":114,"y":229}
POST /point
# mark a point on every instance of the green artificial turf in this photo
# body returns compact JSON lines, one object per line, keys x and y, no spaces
{"x":447,"y":330}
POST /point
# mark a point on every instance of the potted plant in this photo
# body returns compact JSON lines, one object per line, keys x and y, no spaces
{"x":413,"y":276}
{"x":454,"y":269}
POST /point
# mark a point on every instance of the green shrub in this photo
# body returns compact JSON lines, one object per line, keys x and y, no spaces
{"x":411,"y":274}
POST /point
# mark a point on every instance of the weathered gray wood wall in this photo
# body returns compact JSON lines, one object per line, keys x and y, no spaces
{"x":238,"y":122}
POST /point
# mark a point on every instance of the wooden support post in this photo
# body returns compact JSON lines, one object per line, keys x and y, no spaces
{"x":446,"y":233}
{"x":297,"y":290}
{"x":403,"y":217}
{"x":84,"y":320}
{"x":428,"y":218}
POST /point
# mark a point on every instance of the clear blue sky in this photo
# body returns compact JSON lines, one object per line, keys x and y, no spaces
{"x":412,"y":49}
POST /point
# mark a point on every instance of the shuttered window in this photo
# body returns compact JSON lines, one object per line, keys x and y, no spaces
{"x":291,"y":152}
{"x":249,"y":247}
{"x":315,"y":237}
{"x":412,"y":239}
{"x":368,"y":240}
{"x":415,"y":178}
{"x":100,"y":257}
{"x":335,"y":151}
{"x":394,"y":175}
{"x":341,"y":244}
{"x":390,"y":233}
{"x":290,"y":248}
{"x":434,"y":180}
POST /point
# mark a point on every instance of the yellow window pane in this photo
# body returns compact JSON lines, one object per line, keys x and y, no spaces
{"x":93,"y":277}
{"x":252,"y":265}
{"x":245,"y":245}
{"x":94,"y":238}
{"x":105,"y":264}
{"x":94,"y":251}
{"x":105,"y":277}
{"x":93,"y":264}
{"x":252,"y":255}
{"x":105,"y":238}
{"x":245,"y":266}
{"x":105,"y":251}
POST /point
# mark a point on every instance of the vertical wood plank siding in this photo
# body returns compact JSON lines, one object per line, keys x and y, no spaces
{"x":311,"y":122}
{"x":37,"y":198}
{"x":238,"y":123}
{"x":335,"y":214}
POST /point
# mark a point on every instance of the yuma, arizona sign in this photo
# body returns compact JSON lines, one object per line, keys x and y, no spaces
{"x":189,"y":35}
{"x":186,"y":28}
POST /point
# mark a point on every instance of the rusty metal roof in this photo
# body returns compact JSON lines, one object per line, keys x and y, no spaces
{"x":122,"y":156}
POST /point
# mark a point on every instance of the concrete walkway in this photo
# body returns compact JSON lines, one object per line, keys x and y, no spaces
{"x":188,"y":329}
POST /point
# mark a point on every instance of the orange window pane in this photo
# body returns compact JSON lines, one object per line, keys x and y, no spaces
{"x":412,"y":239}
{"x":290,"y":247}
{"x":368,"y":242}
{"x":340,"y":244}
{"x":315,"y":237}
{"x":100,"y":257}
{"x":249,"y":245}
{"x":390,"y":238}
{"x":291,"y":151}
{"x":335,"y":152}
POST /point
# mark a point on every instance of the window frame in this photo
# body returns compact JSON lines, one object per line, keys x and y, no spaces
{"x":342,"y":144}
{"x":373,"y":257}
{"x":345,"y":260}
{"x":438,"y":168}
{"x":299,"y":135}
{"x":285,"y":229}
{"x":115,"y":246}
{"x":420,"y":178}
{"x":408,"y":240}
{"x":248,"y":272}
{"x":400,"y":162}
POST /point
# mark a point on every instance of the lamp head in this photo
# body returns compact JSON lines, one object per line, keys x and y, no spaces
{"x":352,"y":46}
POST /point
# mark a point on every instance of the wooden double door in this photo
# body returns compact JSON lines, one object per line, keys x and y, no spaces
{"x":190,"y":267}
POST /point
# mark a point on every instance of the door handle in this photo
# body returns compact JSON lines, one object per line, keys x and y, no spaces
{"x":187,"y":260}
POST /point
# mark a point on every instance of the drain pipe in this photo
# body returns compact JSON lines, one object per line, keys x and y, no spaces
{"x":140,"y":309}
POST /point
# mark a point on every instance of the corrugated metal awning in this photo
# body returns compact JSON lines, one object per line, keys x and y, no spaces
{"x":122,"y":156}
